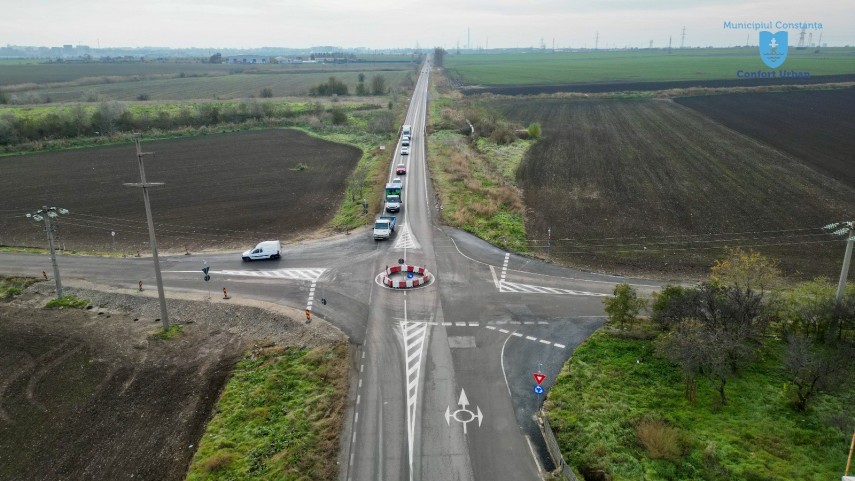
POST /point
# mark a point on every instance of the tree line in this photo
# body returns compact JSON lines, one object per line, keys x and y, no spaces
{"x":721,"y":326}
{"x":334,"y":86}
{"x":113,"y":117}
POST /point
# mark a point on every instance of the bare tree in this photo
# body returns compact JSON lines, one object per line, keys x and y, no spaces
{"x":378,"y":85}
{"x":813,"y":368}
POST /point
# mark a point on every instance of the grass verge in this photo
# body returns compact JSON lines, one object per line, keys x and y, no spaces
{"x":67,"y":302}
{"x":13,"y":286}
{"x":279,"y":418}
{"x":474,"y":177}
{"x":620,"y":413}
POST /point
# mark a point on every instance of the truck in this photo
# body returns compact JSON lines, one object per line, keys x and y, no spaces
{"x":384,"y":226}
{"x":393,"y":195}
{"x":264,"y":250}
{"x":407,"y":130}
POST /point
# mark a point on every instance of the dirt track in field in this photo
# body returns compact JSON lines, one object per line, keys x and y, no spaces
{"x":650,"y":186}
{"x":228,"y":190}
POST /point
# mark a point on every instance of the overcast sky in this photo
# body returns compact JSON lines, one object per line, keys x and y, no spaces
{"x":397,"y":24}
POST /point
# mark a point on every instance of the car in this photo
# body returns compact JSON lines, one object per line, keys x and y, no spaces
{"x":401,"y":169}
{"x":397,"y":182}
{"x":405,"y":141}
{"x":264,"y":250}
{"x":405,"y":150}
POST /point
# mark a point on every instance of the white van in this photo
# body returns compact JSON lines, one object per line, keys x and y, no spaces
{"x":264,"y":250}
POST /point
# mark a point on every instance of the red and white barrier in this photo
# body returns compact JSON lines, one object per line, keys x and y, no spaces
{"x":408,"y":283}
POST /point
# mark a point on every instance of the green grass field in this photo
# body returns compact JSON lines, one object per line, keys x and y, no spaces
{"x":279,"y":418}
{"x":211,"y":87}
{"x":612,"y":385}
{"x":635,"y":65}
{"x":14,"y":72}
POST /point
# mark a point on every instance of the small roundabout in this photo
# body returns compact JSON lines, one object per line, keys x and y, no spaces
{"x":404,"y":276}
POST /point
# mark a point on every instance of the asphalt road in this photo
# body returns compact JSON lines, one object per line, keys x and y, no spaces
{"x":443,"y":386}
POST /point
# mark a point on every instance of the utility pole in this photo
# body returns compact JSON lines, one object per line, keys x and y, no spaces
{"x":683,"y":39}
{"x":164,"y":317}
{"x":847,"y":229}
{"x":549,"y":241}
{"x":46,"y":214}
{"x":597,"y":41}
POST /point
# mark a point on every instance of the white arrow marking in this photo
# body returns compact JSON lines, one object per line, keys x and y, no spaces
{"x":447,"y":416}
{"x":463,"y":401}
{"x":479,"y":416}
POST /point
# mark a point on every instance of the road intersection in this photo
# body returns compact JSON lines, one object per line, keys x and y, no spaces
{"x":442,"y":374}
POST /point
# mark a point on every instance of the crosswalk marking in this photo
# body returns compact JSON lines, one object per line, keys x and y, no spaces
{"x":296,"y":274}
{"x":505,"y":286}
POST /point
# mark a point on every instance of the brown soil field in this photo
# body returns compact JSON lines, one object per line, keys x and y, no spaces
{"x":817,"y":127}
{"x":603,"y":87}
{"x":652,"y":187}
{"x":92,"y":394}
{"x":228,"y":190}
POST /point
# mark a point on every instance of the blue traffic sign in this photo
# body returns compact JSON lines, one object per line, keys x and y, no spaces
{"x":538,"y":389}
{"x":409,"y":275}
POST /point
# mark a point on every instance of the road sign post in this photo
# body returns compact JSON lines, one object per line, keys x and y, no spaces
{"x":207,"y":278}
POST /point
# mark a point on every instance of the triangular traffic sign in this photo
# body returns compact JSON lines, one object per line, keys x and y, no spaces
{"x":538,"y":377}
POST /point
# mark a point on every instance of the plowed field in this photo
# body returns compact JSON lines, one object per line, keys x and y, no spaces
{"x":817,"y":127}
{"x":228,"y":190}
{"x":653,"y":187}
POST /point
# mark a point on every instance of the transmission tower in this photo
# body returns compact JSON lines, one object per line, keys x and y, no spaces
{"x":597,"y":41}
{"x":810,"y":39}
{"x":802,"y":39}
{"x":683,"y":39}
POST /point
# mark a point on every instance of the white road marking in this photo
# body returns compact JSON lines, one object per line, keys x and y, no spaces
{"x":530,"y":338}
{"x":505,"y":286}
{"x":308,"y":274}
{"x":406,"y":240}
{"x":414,"y":334}
{"x":505,"y":267}
{"x":311,"y":295}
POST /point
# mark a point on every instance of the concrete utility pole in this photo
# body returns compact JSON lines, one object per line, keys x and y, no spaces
{"x":164,"y":317}
{"x":46,"y":214}
{"x":847,"y":229}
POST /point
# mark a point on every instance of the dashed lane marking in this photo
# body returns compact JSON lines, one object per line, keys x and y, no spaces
{"x":530,"y":338}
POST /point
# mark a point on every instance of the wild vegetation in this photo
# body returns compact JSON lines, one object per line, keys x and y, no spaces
{"x":473,"y":157}
{"x":734,"y":379}
{"x":279,"y":417}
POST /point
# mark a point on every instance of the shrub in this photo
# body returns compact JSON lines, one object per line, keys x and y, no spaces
{"x":534,"y":130}
{"x":659,"y":440}
{"x":266,"y":93}
{"x":338,"y":116}
{"x":143,"y":97}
